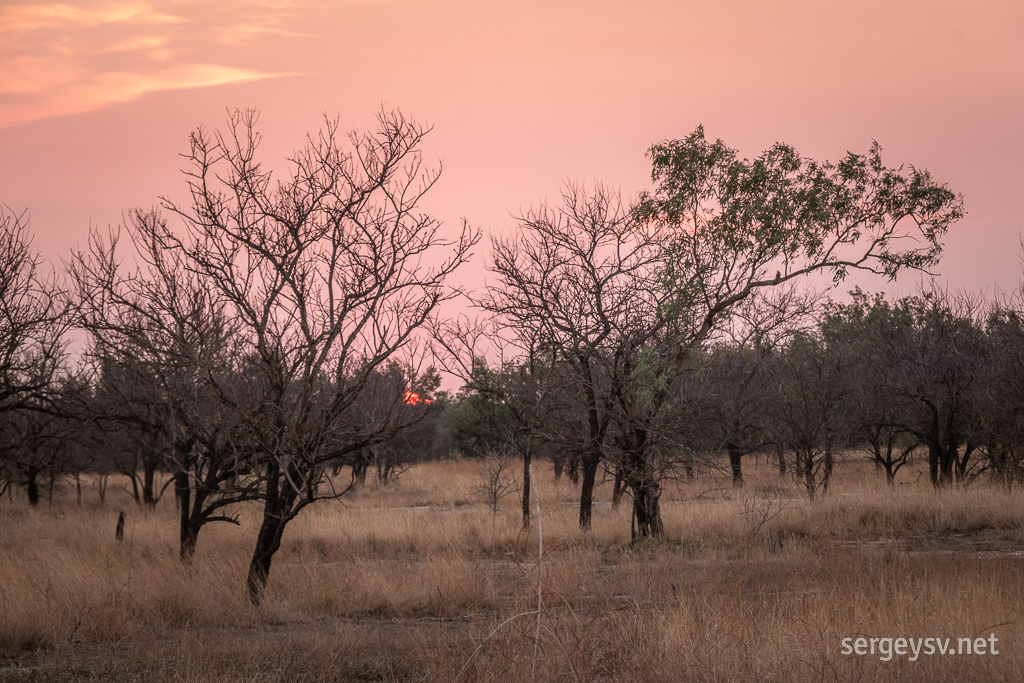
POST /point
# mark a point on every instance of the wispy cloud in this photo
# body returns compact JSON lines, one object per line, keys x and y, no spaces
{"x":19,"y":18}
{"x":137,"y":43}
{"x":61,"y":58}
{"x":79,"y":94}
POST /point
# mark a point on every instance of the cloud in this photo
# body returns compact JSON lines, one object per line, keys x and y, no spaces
{"x":21,"y":18}
{"x":105,"y":88}
{"x":67,"y":58}
{"x":137,"y":43}
{"x":30,"y":75}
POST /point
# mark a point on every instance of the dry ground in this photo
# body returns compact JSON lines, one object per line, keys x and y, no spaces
{"x":420,"y":581}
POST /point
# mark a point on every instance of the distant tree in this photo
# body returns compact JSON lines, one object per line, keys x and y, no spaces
{"x":861,"y":329}
{"x":929,"y":355}
{"x":505,"y":402}
{"x":999,"y":395}
{"x":481,"y":421}
{"x":759,"y":327}
{"x":811,"y":410}
{"x":398,"y":394}
{"x":33,"y":448}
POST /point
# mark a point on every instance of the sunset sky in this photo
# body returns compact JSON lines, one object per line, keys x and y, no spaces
{"x":97,"y":98}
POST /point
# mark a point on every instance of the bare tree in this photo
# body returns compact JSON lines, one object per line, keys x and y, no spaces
{"x":495,"y":480}
{"x":810,"y":413}
{"x":581,"y":280}
{"x":504,"y":401}
{"x":165,"y":345}
{"x":877,"y":405}
{"x":929,"y":353}
{"x":999,"y":396}
{"x":33,"y":318}
{"x":759,"y":327}
{"x":328,"y":273}
{"x":33,"y":321}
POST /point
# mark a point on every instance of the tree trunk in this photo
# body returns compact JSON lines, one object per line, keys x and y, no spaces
{"x":947,"y":465}
{"x":805,"y":465}
{"x":149,"y":482}
{"x":188,"y":534}
{"x":268,"y":542}
{"x":617,"y":488}
{"x":688,"y":466}
{"x":646,"y":505}
{"x":573,"y":468}
{"x":826,"y":477}
{"x":188,"y":539}
{"x":735,"y":463}
{"x":934,"y":457}
{"x":780,"y":453}
{"x":181,"y":488}
{"x":360,"y":464}
{"x":101,"y":487}
{"x":645,"y":484}
{"x":527,"y":462}
{"x":590,"y":464}
{"x":962,"y":461}
{"x":33,"y":485}
{"x":278,"y":508}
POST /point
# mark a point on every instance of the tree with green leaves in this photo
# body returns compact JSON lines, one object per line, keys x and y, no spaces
{"x":733,"y":226}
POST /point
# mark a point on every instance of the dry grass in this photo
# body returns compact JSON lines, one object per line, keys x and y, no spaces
{"x":420,"y":581}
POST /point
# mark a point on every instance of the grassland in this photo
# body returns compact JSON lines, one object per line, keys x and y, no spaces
{"x":418,"y":580}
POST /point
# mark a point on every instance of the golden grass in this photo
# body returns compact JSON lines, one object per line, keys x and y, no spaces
{"x":418,"y":580}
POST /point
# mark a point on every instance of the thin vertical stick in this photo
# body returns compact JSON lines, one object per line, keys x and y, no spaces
{"x":540,"y":569}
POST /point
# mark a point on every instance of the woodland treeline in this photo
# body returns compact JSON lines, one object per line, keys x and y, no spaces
{"x":281,"y":335}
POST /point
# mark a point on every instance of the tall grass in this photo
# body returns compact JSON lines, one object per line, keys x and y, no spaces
{"x":418,"y":580}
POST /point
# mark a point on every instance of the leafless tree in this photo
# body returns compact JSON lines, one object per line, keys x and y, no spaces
{"x":495,"y":480}
{"x":33,"y":322}
{"x":929,"y":356}
{"x":810,"y":412}
{"x":582,"y":279}
{"x":329,"y":273}
{"x":759,"y":327}
{"x":162,"y":342}
{"x":999,"y":396}
{"x":33,"y":318}
{"x":509,"y":377}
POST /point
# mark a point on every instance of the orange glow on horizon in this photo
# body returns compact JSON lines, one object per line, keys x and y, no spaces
{"x":411,"y":398}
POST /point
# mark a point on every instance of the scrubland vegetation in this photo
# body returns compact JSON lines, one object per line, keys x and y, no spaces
{"x":669,"y":457}
{"x":419,"y":580}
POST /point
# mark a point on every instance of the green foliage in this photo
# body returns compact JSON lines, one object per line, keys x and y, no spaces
{"x":481,"y":419}
{"x":732,"y":223}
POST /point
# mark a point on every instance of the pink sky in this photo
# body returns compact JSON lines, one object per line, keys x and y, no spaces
{"x":97,"y":98}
